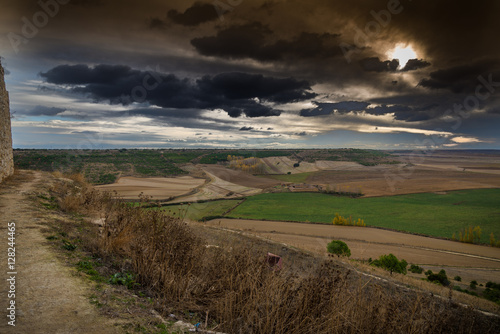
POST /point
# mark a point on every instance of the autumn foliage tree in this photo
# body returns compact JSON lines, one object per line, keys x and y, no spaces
{"x":249,"y":165}
{"x":469,"y":235}
{"x":339,"y":220}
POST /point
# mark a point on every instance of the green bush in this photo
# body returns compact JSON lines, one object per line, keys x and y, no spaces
{"x":492,"y":294}
{"x":473,"y":284}
{"x":458,"y":278}
{"x":391,"y":263}
{"x":440,"y":278}
{"x":338,"y":248}
{"x":472,"y":293}
{"x":492,"y":285}
{"x":416,"y":269}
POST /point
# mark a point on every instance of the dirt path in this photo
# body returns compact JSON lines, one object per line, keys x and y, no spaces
{"x":48,"y":298}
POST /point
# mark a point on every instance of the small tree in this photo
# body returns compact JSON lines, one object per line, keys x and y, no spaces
{"x":338,"y":248}
{"x":391,"y":263}
{"x":439,"y":278}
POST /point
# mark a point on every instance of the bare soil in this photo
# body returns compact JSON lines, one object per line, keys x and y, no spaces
{"x":218,"y":188}
{"x":239,"y":177}
{"x":156,"y":187}
{"x":417,"y":179}
{"x":49,"y":298}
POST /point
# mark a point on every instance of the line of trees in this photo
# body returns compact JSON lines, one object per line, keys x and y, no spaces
{"x":339,"y":220}
{"x":469,"y":235}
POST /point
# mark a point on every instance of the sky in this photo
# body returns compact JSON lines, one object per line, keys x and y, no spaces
{"x":371,"y":74}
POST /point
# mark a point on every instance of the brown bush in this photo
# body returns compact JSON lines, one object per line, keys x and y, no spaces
{"x":234,"y":285}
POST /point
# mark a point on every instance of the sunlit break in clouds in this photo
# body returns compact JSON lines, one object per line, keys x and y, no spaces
{"x":383,"y":74}
{"x":403,"y":54}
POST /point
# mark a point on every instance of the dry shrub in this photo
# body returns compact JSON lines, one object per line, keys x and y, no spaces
{"x":234,"y":285}
{"x":243,"y":295}
{"x":74,"y":194}
{"x":57,"y":174}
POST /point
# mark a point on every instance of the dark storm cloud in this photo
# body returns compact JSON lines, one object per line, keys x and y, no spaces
{"x":156,"y":23}
{"x":86,"y":3}
{"x":45,"y":111}
{"x":463,"y":78}
{"x":246,"y":86}
{"x":415,"y":64}
{"x":253,"y":40}
{"x":236,"y":93}
{"x":402,"y":112}
{"x":196,"y":14}
{"x":384,"y":109}
{"x":328,"y":108}
{"x":374,"y":64}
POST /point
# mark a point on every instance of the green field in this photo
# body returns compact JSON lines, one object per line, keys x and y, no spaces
{"x":428,"y":213}
{"x":295,"y":178}
{"x":198,"y":211}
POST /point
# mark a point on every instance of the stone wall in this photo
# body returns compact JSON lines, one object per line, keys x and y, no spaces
{"x":6,"y":156}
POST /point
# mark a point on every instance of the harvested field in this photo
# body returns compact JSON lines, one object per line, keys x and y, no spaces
{"x":366,"y":242}
{"x":439,"y":171}
{"x":157,"y":187}
{"x":218,"y":188}
{"x":239,"y":177}
{"x":398,"y":181}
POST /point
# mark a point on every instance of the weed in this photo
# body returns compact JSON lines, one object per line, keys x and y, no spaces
{"x":125,"y":279}
{"x":68,"y":245}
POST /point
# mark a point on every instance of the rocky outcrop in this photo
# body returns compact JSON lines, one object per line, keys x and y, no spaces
{"x":6,"y":155}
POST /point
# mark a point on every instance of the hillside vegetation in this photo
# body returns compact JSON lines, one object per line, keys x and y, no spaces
{"x":106,"y":165}
{"x":224,"y":283}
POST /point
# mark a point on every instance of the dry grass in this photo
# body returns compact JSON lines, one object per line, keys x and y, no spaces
{"x":235,"y":289}
{"x":431,"y":288}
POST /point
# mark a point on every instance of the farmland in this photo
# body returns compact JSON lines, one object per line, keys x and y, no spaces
{"x":438,"y":215}
{"x":201,"y":211}
{"x":411,"y":207}
{"x":155,"y":187}
{"x":107,"y":165}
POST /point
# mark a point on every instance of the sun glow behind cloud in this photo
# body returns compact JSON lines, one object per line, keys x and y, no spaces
{"x":403,"y":53}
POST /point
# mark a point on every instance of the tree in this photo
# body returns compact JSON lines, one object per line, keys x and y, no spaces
{"x":338,"y":248}
{"x":391,"y":263}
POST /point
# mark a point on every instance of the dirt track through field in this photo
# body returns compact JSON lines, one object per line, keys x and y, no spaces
{"x":366,"y":242}
{"x":48,"y":298}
